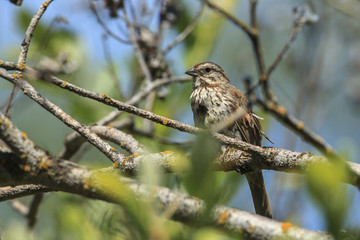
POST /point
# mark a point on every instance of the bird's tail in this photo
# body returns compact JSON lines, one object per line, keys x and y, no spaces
{"x":258,"y":192}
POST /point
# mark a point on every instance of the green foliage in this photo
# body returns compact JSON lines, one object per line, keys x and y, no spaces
{"x":138,"y":214}
{"x":48,"y":39}
{"x":213,"y":234}
{"x":325,"y":187}
{"x":182,"y":22}
{"x":205,"y":34}
{"x":200,"y":181}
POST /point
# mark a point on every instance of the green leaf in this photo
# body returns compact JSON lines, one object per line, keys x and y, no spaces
{"x":326,"y":189}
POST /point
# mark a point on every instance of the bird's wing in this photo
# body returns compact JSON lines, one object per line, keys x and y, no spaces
{"x":249,"y":128}
{"x":248,"y":125}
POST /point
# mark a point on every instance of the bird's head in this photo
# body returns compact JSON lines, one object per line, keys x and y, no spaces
{"x":207,"y":74}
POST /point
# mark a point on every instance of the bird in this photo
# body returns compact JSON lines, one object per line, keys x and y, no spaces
{"x":214,"y":100}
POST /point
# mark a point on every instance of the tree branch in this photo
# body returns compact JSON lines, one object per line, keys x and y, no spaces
{"x":253,"y":18}
{"x":256,"y":159}
{"x":184,"y":33}
{"x":184,"y":208}
{"x":30,"y":91}
{"x":125,"y":141}
{"x":296,"y":125}
{"x":302,"y":17}
{"x":33,"y":210}
{"x":8,"y":193}
{"x":138,"y":53}
{"x":248,"y":30}
{"x":175,"y":124}
{"x":32,"y":165}
{"x":29,"y":32}
{"x":103,"y":25}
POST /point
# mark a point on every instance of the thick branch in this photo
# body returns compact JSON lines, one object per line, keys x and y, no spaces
{"x":34,"y":166}
{"x":71,"y":178}
{"x":355,"y":179}
{"x":236,"y":160}
{"x":7,"y":193}
{"x":172,"y":123}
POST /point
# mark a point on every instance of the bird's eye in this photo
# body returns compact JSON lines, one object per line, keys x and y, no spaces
{"x":207,"y":70}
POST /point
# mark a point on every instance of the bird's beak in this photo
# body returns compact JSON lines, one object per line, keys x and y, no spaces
{"x":192,"y":72}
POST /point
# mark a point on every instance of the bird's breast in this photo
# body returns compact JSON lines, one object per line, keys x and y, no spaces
{"x":210,"y":105}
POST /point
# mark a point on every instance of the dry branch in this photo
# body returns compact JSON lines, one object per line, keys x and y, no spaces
{"x":32,"y":165}
{"x":30,"y":91}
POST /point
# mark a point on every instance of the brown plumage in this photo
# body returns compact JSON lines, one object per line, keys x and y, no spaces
{"x":213,"y":100}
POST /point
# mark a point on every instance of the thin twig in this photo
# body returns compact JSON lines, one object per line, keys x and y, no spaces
{"x":253,"y":18}
{"x":172,"y":123}
{"x":9,"y":100}
{"x":259,"y":56}
{"x":124,"y":140}
{"x":29,"y":32}
{"x":74,"y":141}
{"x":138,"y":53}
{"x":26,"y":43}
{"x":114,"y":114}
{"x":80,"y":151}
{"x":110,"y":63}
{"x":248,"y":30}
{"x":140,"y":95}
{"x":298,"y":126}
{"x":253,"y":34}
{"x":33,"y":210}
{"x":103,"y":25}
{"x":136,"y":111}
{"x":277,"y":110}
{"x":291,"y":122}
{"x":11,"y":66}
{"x":185,"y":32}
{"x":62,"y":116}
{"x":157,"y":138}
{"x":297,"y":26}
{"x":175,"y":124}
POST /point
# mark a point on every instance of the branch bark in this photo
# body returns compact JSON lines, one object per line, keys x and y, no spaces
{"x":75,"y":179}
{"x":32,"y":165}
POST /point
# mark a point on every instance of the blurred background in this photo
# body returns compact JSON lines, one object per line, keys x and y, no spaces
{"x":317,"y":81}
